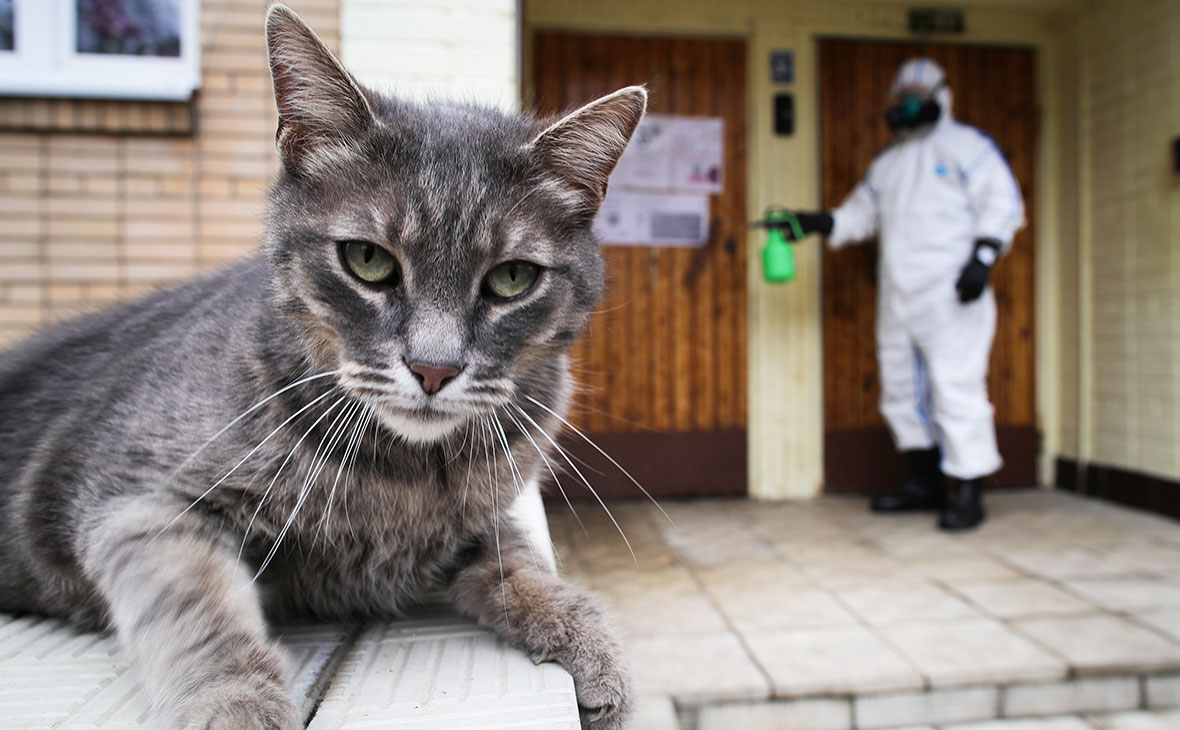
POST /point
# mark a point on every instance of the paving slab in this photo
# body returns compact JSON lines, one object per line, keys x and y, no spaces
{"x":1127,"y":594}
{"x":1022,"y":597}
{"x":1146,"y":557}
{"x":782,"y":607}
{"x":659,"y":601}
{"x":653,"y":712}
{"x":887,"y":602}
{"x":696,"y":669}
{"x":973,"y":651}
{"x":1102,"y":643}
{"x":957,"y":571}
{"x":1062,"y":562}
{"x":1165,"y":620}
{"x":830,"y":661}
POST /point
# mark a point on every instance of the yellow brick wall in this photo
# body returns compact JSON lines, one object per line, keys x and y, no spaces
{"x":1130,"y":385}
{"x":87,"y":219}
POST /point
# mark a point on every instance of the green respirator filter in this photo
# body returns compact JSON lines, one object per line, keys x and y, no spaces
{"x":910,"y":106}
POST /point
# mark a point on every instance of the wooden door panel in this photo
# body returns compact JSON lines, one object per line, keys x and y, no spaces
{"x":663,"y":365}
{"x":995,"y":90}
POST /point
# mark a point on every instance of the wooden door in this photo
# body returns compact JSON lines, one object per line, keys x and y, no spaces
{"x":995,"y":90}
{"x":663,"y":365}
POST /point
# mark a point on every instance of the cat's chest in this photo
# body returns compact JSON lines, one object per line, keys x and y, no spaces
{"x":373,"y":544}
{"x":372,"y":573}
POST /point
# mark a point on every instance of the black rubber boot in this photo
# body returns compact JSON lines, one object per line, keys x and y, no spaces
{"x":923,"y":490}
{"x":965,"y":510}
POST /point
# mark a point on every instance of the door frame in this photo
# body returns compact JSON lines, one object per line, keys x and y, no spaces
{"x":785,"y":375}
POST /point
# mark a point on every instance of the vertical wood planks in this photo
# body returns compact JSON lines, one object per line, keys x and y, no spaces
{"x":667,"y":348}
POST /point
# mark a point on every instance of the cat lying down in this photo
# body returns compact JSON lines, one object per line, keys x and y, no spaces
{"x":335,"y":426}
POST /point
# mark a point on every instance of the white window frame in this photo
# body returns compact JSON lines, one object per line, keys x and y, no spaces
{"x":45,"y":61}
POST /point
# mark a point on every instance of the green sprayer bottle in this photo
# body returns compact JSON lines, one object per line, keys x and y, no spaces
{"x":778,"y":256}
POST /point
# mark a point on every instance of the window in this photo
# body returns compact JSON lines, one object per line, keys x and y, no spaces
{"x":110,"y":49}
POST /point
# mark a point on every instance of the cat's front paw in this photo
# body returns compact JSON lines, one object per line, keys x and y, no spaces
{"x":602,"y":680}
{"x":603,"y":686}
{"x":240,"y":706}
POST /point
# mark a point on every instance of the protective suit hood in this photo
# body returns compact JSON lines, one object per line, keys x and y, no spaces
{"x":919,"y":98}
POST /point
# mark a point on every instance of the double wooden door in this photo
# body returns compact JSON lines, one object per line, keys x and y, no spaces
{"x":662,"y":368}
{"x":995,"y":90}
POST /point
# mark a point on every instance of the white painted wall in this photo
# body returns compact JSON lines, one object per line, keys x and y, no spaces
{"x":465,"y":50}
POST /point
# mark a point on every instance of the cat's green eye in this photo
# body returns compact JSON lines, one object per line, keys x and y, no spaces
{"x":368,"y":261}
{"x":511,"y":279}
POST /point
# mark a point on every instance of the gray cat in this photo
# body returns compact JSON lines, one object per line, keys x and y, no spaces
{"x":336,"y":426}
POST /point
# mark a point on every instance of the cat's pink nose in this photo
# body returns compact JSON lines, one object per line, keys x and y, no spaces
{"x":432,"y":378}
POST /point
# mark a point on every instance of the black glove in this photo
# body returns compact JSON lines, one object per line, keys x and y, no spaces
{"x":810,"y":223}
{"x":973,"y":280}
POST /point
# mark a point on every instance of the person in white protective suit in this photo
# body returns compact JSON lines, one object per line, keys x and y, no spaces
{"x":944,"y":207}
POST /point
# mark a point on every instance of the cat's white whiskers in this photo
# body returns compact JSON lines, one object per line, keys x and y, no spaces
{"x":290,"y":455}
{"x":494,"y":489}
{"x":585,"y":481}
{"x":470,"y":461}
{"x":318,"y":462}
{"x":325,"y":519}
{"x":369,"y":416}
{"x":548,"y":464}
{"x":331,"y":436}
{"x":243,"y":414}
{"x":244,"y":459}
{"x":458,"y":450}
{"x":609,"y":458}
{"x":518,"y":482}
{"x":513,"y":471}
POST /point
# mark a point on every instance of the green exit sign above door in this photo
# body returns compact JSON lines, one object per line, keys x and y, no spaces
{"x":937,"y":20}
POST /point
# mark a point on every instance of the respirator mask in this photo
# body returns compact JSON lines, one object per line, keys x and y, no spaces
{"x":913,"y":107}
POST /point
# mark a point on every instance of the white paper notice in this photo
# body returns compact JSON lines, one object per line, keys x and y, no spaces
{"x":697,"y":154}
{"x":674,"y":153}
{"x":647,"y":161}
{"x":635,"y":218}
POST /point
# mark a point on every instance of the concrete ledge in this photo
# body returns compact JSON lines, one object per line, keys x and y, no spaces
{"x":443,"y":673}
{"x":436,"y":672}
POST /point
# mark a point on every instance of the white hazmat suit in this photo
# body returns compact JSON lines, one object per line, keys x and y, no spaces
{"x":928,"y":197}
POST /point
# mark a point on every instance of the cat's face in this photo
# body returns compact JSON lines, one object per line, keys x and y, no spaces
{"x":439,"y":257}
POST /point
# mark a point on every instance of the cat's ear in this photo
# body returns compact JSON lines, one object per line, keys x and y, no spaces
{"x":582,"y":148}
{"x":321,"y":107}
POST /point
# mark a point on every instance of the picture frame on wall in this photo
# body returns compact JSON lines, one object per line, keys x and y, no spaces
{"x":105,"y":49}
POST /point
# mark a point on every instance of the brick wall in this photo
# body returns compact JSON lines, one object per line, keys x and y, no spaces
{"x":1130,"y":113}
{"x":87,"y":219}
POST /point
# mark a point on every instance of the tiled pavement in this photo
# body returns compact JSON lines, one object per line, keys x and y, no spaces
{"x":1061,"y":613}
